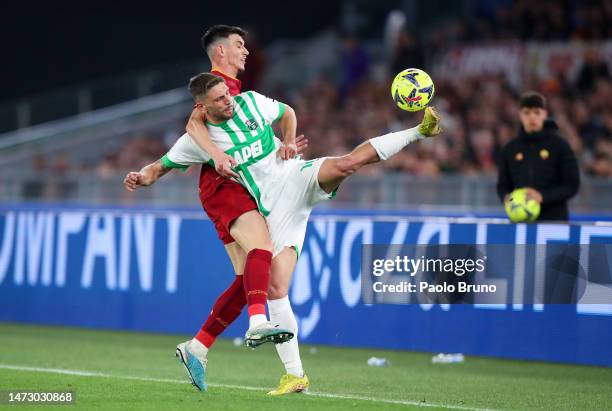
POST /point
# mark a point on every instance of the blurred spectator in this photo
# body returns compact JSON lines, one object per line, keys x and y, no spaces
{"x":601,"y":164}
{"x":408,"y":52}
{"x":482,"y":143}
{"x":34,"y":186}
{"x":109,"y":164}
{"x":354,"y":64}
{"x":593,"y":68}
{"x":64,"y":184}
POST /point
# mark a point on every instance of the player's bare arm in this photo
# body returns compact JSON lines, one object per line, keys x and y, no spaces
{"x":288,"y":126}
{"x":148,"y":175}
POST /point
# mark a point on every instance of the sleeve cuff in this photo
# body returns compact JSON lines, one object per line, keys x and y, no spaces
{"x":171,"y":164}
{"x":281,"y":111}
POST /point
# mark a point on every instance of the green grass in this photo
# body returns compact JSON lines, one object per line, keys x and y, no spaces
{"x":140,"y":372}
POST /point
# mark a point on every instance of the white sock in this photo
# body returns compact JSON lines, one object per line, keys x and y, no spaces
{"x":257,"y":319}
{"x":289,"y":352}
{"x":197,"y":348}
{"x":392,"y":143}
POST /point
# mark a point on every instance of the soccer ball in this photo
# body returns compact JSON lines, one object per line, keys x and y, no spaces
{"x":412,"y":89}
{"x":520,"y":207}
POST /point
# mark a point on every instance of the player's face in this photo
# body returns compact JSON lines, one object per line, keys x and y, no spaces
{"x":532,"y":118}
{"x":219,"y":103}
{"x":236,"y":52}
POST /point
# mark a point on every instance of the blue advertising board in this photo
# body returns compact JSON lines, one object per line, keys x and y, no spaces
{"x":161,"y":270}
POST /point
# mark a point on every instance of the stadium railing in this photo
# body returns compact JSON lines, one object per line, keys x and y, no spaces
{"x":89,"y":96}
{"x":449,"y":195}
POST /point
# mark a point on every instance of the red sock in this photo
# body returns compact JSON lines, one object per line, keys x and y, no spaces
{"x":227,"y":308}
{"x":256,"y":279}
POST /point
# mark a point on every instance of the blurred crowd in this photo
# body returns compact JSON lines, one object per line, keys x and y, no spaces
{"x":480,"y":116}
{"x":480,"y":112}
{"x":544,"y":20}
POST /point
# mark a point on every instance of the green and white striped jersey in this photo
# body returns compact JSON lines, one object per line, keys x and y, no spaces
{"x":249,"y":138}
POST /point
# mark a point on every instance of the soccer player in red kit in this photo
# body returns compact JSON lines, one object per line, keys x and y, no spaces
{"x":235,"y":216}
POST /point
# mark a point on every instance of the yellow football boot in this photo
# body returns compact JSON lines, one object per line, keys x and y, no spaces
{"x":290,"y":383}
{"x":430,"y":125}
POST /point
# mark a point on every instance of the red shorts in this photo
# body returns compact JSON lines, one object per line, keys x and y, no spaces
{"x":223,"y":200}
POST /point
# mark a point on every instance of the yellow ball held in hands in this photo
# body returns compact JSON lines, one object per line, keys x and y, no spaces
{"x":520,"y":207}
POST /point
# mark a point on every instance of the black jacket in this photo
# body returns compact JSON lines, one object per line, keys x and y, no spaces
{"x":543,"y":161}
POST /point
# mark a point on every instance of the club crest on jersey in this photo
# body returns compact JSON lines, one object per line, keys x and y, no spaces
{"x":252,"y":125}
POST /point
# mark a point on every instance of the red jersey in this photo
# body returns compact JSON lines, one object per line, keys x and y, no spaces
{"x":234,"y":85}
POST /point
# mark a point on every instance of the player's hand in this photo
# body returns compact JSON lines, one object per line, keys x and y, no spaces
{"x":534,"y":194}
{"x":132,"y":180}
{"x":196,"y":120}
{"x":224,"y":164}
{"x":198,"y":112}
{"x":288,"y":151}
{"x":301,"y":143}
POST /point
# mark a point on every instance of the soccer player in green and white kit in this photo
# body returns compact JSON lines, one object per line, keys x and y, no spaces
{"x":285,"y":190}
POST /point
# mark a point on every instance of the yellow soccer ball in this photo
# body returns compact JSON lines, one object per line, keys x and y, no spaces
{"x":520,"y":208}
{"x":412,"y":89}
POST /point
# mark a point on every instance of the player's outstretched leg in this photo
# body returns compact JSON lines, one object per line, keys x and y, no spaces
{"x":335,"y":169}
{"x":194,"y":362}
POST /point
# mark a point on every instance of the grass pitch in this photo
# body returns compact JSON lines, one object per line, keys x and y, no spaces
{"x":121,"y":370}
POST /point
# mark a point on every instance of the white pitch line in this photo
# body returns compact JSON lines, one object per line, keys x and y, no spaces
{"x":81,"y":373}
